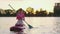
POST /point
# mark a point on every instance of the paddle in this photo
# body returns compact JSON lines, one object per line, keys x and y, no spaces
{"x":30,"y":27}
{"x":23,"y":20}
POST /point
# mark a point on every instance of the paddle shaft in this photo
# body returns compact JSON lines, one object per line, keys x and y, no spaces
{"x":11,"y":7}
{"x":28,"y":25}
{"x":25,"y":22}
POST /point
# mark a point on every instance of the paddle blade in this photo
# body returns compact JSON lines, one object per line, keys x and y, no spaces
{"x":30,"y":27}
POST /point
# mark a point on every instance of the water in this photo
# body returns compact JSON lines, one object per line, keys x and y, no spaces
{"x":42,"y":25}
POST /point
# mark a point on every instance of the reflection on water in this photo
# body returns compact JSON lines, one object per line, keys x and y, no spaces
{"x":42,"y":25}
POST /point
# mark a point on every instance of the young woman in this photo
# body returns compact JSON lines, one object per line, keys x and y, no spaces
{"x":20,"y":17}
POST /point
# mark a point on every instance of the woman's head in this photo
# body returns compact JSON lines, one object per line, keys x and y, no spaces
{"x":20,"y":10}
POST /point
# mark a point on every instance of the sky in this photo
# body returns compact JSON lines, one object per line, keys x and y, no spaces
{"x":36,"y":4}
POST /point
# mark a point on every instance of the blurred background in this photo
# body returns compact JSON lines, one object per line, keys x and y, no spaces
{"x":33,"y":8}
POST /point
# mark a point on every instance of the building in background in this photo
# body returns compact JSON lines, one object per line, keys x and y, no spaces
{"x":57,"y":9}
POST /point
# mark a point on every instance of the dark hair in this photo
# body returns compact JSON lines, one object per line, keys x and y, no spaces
{"x":19,"y":10}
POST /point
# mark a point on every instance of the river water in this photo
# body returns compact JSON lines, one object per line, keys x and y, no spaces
{"x":42,"y":25}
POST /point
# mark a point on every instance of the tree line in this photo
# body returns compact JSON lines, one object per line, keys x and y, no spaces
{"x":29,"y":13}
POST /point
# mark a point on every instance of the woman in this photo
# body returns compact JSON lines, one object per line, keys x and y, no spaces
{"x":20,"y":17}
